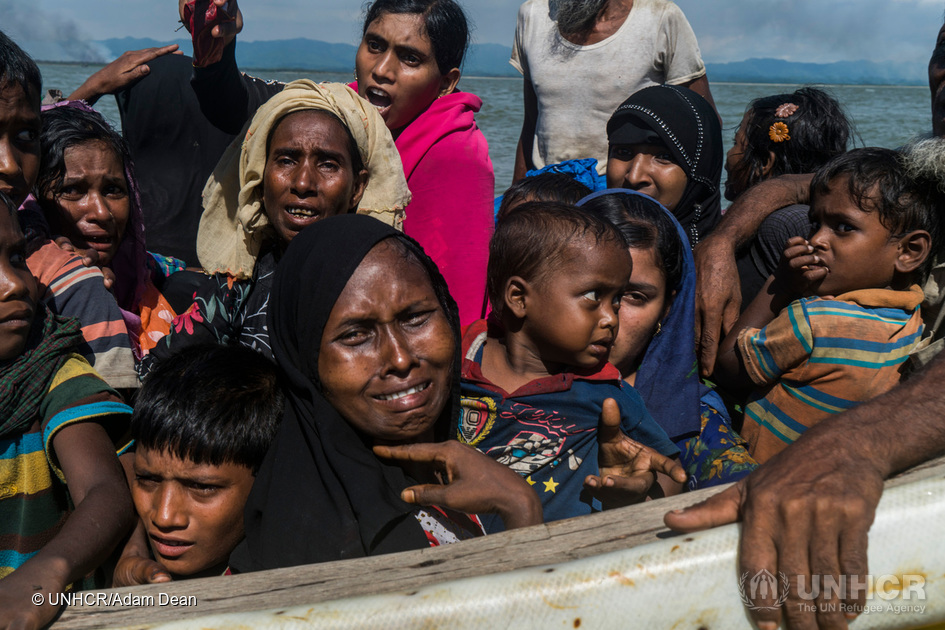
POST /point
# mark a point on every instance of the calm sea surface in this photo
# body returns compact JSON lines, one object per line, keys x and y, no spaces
{"x":884,"y":116}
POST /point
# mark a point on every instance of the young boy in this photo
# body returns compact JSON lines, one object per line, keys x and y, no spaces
{"x":535,"y":379}
{"x":858,"y":319}
{"x":58,"y":420}
{"x":202,"y":424}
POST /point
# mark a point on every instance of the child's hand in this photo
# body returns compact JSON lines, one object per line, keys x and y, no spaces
{"x":135,"y":570}
{"x":627,"y":468}
{"x":475,"y":483}
{"x":24,"y":598}
{"x":800,"y":269}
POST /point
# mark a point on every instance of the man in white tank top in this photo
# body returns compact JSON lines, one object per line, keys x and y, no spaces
{"x":582,"y":58}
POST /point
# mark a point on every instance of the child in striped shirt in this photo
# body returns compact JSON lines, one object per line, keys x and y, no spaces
{"x":64,"y":503}
{"x":834,"y":324}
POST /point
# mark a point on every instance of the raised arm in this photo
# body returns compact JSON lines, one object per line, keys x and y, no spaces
{"x":125,"y":71}
{"x":718,"y":291}
{"x":228,"y":98}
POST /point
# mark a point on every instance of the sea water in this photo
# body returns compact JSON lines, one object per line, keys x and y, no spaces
{"x":885,"y":116}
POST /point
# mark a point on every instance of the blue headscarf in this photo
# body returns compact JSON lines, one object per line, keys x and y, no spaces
{"x":584,"y":171}
{"x":668,"y":378}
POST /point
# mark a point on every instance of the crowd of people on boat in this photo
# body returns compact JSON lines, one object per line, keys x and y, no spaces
{"x":267,"y":325}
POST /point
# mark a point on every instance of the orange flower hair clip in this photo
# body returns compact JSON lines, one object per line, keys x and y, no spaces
{"x":778,"y":132}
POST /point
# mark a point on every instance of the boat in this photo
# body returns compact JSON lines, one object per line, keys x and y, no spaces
{"x":615,"y":569}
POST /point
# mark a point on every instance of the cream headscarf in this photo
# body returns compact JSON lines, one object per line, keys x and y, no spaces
{"x":232,"y":226}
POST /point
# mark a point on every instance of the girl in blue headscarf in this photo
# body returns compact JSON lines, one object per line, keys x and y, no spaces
{"x":655,"y":347}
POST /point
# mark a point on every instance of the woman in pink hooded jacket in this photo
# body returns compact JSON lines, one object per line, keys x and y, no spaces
{"x":408,"y":66}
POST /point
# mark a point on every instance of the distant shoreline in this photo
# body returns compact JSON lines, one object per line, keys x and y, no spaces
{"x":99,"y":64}
{"x":792,"y":83}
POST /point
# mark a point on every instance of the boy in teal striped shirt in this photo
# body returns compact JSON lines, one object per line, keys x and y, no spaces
{"x":833,"y":326}
{"x":64,"y":502}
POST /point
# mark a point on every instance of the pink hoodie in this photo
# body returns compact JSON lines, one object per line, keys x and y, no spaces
{"x":446,"y":161}
{"x":448,"y":170}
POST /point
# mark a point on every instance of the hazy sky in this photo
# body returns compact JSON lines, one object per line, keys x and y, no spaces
{"x":728,"y":30}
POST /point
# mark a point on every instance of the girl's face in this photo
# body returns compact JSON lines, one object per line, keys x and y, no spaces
{"x":397,"y":71}
{"x":386,"y":355}
{"x":649,"y":169}
{"x":93,"y":203}
{"x":309,"y":174}
{"x":644,"y":305}
{"x":736,"y":168}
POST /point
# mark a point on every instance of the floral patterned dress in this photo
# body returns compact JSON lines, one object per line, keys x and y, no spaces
{"x":226,"y":311}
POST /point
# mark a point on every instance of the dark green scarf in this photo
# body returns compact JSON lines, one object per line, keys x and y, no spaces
{"x":25,"y":380}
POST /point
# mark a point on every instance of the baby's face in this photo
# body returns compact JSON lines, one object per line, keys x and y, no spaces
{"x":854,"y":246}
{"x":193,"y":513}
{"x":571,"y":317}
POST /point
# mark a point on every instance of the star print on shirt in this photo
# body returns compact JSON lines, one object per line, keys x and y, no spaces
{"x":529,"y":480}
{"x":550,"y":485}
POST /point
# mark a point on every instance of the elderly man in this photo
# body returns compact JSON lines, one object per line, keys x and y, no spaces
{"x":808,"y":510}
{"x":582,"y":58}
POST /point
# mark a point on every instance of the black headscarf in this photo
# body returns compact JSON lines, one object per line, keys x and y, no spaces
{"x":321,"y":494}
{"x":685,"y":123}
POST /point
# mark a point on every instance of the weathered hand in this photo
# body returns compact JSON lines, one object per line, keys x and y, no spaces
{"x":476,"y":483}
{"x":718,"y":298}
{"x":805,"y":512}
{"x":135,"y":570}
{"x":627,"y":468}
{"x":128,"y":69}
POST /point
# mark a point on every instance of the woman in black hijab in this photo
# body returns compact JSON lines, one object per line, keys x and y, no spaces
{"x":666,"y":142}
{"x":366,"y":333}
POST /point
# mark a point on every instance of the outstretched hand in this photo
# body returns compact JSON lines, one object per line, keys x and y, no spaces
{"x":135,"y":570}
{"x":475,"y":483}
{"x":125,"y":71}
{"x":805,"y":512}
{"x":718,"y":298}
{"x":628,"y":469}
